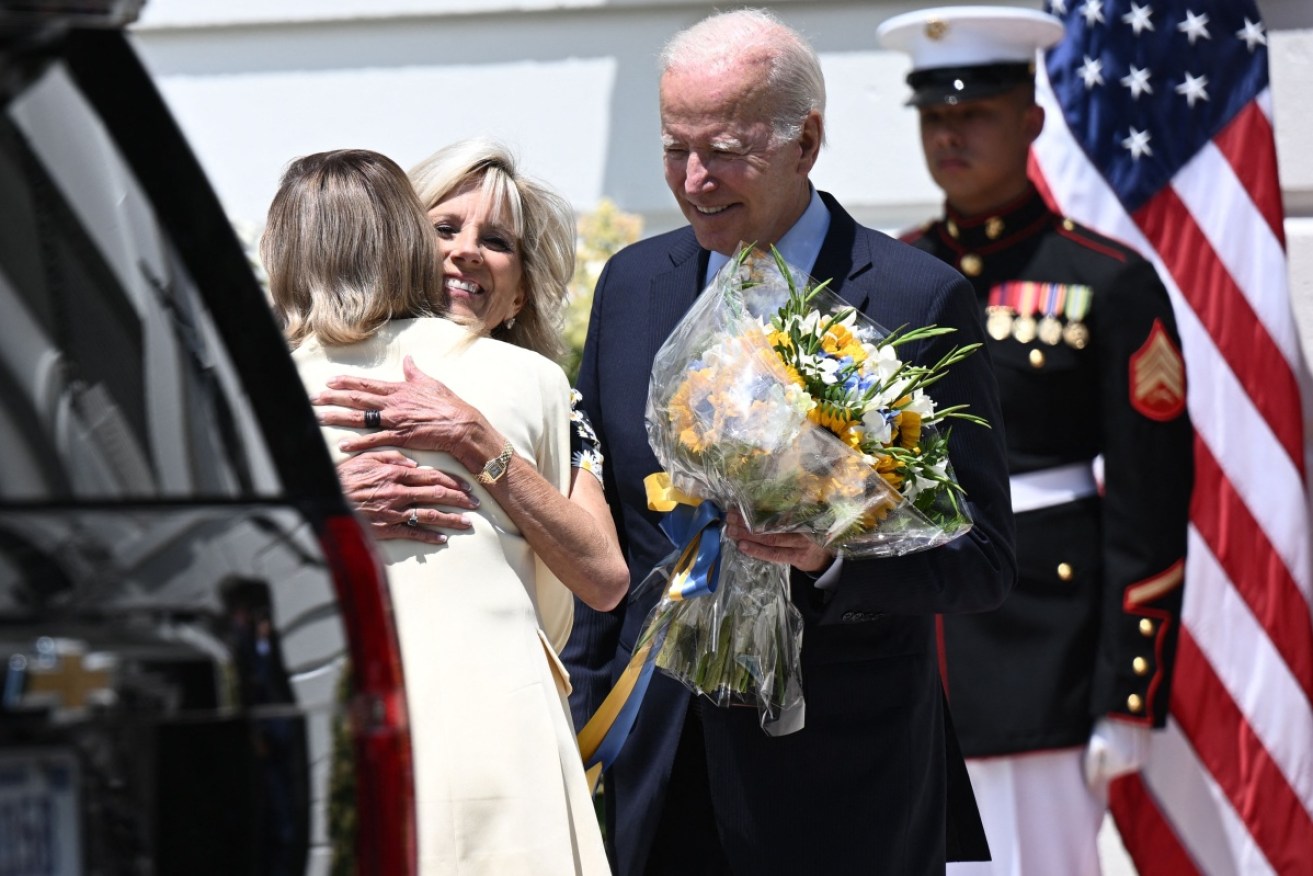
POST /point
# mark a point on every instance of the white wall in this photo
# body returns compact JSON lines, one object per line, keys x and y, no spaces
{"x":572,"y":86}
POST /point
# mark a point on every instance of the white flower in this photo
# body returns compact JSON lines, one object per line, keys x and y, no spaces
{"x":920,"y":404}
{"x":884,"y":360}
{"x":917,"y":484}
{"x":798,"y":398}
{"x":589,"y":461}
{"x":877,"y":428}
{"x":828,"y":368}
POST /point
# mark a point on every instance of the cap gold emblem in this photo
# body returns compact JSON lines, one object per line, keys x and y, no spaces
{"x":935,"y":29}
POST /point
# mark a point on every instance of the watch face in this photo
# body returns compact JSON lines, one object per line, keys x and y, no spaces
{"x":496,"y":467}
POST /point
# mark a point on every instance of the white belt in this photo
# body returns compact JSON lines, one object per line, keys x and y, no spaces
{"x":1052,"y":486}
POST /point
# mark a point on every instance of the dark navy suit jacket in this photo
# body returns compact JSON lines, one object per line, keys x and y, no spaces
{"x":873,"y":783}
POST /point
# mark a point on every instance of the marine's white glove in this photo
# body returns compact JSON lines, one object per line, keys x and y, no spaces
{"x":1115,"y":749}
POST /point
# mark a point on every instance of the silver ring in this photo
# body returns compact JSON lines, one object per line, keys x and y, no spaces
{"x":373,"y":419}
{"x":413,"y":519}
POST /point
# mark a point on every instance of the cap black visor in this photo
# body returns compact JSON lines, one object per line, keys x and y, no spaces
{"x":952,"y":85}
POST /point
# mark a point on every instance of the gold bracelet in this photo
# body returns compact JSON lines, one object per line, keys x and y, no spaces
{"x":495,"y":469}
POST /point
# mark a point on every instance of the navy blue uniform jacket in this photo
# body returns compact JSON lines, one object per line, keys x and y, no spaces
{"x":1091,"y":627}
{"x":863,"y":788}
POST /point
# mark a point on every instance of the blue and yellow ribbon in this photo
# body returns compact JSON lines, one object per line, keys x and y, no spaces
{"x":695,"y":526}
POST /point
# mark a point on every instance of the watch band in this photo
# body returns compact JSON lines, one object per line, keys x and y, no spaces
{"x":495,"y":469}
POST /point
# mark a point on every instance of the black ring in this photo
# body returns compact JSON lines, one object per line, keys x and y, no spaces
{"x":373,"y":419}
{"x":413,"y":519}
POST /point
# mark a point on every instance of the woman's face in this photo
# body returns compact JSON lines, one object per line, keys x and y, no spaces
{"x":482,"y":273}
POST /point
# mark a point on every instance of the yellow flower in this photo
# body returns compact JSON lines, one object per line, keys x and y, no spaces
{"x":831,"y":418}
{"x":909,"y":429}
{"x":886,"y":466}
{"x":876,"y":513}
{"x":839,"y":341}
{"x":770,"y":356}
{"x":687,"y":424}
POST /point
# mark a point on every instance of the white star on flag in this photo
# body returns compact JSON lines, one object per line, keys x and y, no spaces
{"x":1137,"y":81}
{"x":1091,"y":72}
{"x":1059,"y":7}
{"x":1193,"y":88}
{"x":1138,"y":144}
{"x":1137,"y":18}
{"x":1195,"y":26}
{"x":1252,"y":34}
{"x":1093,"y":11}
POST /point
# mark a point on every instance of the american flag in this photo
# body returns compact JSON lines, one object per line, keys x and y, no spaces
{"x":1159,"y":133}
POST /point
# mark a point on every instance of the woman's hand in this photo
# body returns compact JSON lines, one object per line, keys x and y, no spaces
{"x":387,"y":488}
{"x":790,"y":548}
{"x":420,"y":413}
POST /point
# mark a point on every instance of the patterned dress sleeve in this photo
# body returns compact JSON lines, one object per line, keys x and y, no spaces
{"x":585,"y":450}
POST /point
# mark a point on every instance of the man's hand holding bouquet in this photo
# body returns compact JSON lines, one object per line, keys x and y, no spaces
{"x":775,"y":399}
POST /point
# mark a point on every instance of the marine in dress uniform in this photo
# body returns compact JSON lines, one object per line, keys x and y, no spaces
{"x":1077,"y":663}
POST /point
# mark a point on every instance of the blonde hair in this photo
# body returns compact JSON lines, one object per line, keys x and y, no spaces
{"x":347,"y":247}
{"x":541,"y":220}
{"x":726,"y":39}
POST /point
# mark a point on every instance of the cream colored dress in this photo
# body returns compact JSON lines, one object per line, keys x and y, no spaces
{"x":500,"y":788}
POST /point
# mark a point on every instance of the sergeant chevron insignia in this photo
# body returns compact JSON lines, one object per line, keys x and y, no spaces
{"x":1158,"y":377}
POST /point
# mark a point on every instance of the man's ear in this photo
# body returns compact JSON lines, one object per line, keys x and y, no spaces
{"x":809,"y":141}
{"x":1033,"y":122}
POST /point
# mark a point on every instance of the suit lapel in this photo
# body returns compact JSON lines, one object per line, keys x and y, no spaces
{"x":845,"y":256}
{"x":672,"y":292}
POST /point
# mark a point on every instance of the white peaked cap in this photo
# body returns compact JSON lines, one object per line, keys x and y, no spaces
{"x":966,"y":52}
{"x":968,"y":36}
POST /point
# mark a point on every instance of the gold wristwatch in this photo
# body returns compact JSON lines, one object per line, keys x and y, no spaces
{"x":495,"y":468}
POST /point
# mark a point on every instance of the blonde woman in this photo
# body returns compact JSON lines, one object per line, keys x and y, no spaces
{"x":498,"y":781}
{"x":506,"y":245}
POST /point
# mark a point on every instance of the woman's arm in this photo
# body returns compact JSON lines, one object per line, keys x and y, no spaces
{"x":574,"y":535}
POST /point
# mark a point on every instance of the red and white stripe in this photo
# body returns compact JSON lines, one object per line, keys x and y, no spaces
{"x":1228,"y":788}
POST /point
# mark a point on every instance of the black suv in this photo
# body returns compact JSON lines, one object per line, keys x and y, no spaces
{"x":195,"y":635}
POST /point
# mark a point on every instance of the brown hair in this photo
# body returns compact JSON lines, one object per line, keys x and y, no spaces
{"x":347,"y":247}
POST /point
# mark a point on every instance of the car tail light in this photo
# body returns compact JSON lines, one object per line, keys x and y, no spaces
{"x":385,"y":797}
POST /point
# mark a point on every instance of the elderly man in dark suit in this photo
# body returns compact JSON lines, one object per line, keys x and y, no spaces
{"x":873,"y":783}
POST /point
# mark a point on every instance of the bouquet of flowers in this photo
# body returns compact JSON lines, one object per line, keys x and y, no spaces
{"x":775,"y":397}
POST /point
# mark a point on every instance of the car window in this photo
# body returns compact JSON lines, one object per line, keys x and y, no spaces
{"x":183,"y":591}
{"x":113,"y":382}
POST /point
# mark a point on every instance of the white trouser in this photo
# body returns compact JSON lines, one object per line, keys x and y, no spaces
{"x":1040,"y":817}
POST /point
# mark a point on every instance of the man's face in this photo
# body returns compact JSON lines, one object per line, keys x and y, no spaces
{"x":733,"y":182}
{"x":976,"y":151}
